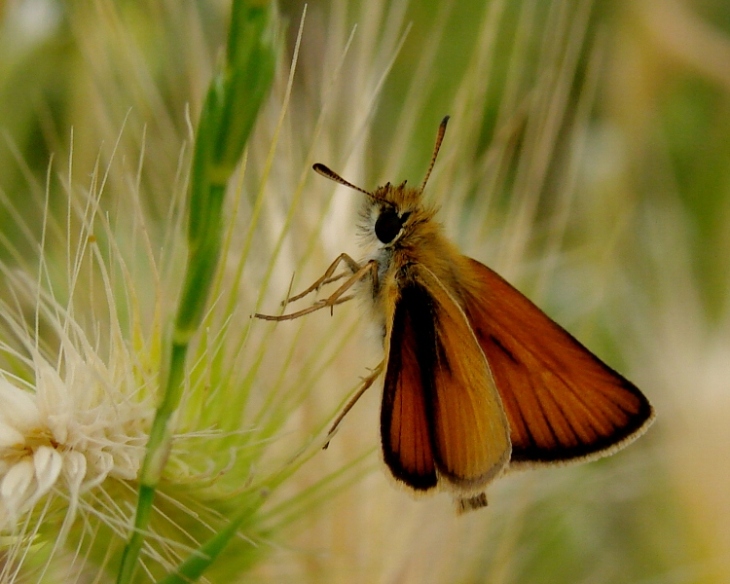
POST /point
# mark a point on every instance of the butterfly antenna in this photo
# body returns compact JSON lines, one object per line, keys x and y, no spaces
{"x":332,"y":175}
{"x":439,"y":139}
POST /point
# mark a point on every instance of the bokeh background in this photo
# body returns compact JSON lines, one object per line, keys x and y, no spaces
{"x":588,"y":160}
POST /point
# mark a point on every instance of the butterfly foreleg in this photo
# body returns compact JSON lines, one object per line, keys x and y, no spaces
{"x":338,"y":296}
{"x":328,"y":277}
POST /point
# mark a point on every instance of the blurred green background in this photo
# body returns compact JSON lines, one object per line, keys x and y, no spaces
{"x":647,"y":95}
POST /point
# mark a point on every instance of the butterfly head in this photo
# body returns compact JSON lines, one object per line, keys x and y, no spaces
{"x":391,"y":211}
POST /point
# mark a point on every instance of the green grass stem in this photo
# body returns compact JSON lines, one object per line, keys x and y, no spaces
{"x":231,"y":106}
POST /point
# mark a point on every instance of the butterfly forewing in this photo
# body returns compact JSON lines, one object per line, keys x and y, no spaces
{"x":435,"y":362}
{"x":406,"y":438}
{"x":562,"y":402}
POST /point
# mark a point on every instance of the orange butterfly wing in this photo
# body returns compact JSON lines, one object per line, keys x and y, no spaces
{"x":562,"y":402}
{"x":441,"y":417}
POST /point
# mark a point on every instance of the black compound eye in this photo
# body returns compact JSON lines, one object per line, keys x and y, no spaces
{"x":388,"y":225}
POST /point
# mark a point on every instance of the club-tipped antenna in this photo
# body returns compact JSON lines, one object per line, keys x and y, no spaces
{"x":439,"y":139}
{"x":332,"y":175}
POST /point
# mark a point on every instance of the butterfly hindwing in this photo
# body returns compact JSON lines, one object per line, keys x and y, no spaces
{"x":562,"y":402}
{"x":441,"y":416}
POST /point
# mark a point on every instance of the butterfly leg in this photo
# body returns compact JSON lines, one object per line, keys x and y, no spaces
{"x":337,"y":297}
{"x":327,"y":277}
{"x":364,"y":386}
